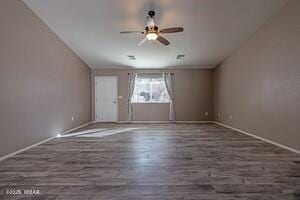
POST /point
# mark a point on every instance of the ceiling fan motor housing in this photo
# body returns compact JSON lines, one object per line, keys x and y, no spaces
{"x":151,"y":30}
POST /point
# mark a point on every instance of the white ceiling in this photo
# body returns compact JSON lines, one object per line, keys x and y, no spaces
{"x":213,"y":29}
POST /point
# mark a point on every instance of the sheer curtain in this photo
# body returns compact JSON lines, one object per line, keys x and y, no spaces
{"x":131,"y":83}
{"x":170,"y":88}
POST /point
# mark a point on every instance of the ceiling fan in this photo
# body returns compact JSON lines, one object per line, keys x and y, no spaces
{"x":153,"y":32}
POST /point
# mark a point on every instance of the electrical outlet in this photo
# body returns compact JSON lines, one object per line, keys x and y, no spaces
{"x":219,"y":115}
{"x":73,"y":119}
{"x":206,"y":113}
{"x":230,"y":117}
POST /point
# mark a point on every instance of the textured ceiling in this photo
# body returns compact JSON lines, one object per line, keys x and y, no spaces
{"x":213,"y":29}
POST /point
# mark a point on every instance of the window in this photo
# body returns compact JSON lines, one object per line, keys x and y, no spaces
{"x":150,"y":90}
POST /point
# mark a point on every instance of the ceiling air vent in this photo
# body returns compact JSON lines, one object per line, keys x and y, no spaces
{"x":179,"y":56}
{"x":131,"y":57}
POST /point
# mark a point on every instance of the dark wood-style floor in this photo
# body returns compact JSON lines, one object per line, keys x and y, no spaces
{"x":157,"y":162}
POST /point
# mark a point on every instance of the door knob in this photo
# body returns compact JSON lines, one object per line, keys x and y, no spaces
{"x":115,"y":101}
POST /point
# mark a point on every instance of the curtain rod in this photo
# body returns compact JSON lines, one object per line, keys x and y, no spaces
{"x":153,"y":73}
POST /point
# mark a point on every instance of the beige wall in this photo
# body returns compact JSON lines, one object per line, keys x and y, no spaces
{"x":259,"y":85}
{"x":42,"y":82}
{"x":193,"y":93}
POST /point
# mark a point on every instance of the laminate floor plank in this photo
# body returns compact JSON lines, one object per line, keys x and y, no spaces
{"x":153,"y":161}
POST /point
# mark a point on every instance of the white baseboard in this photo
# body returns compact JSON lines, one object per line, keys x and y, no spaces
{"x":193,"y":122}
{"x":145,"y":122}
{"x":26,"y":148}
{"x":73,"y":129}
{"x":36,"y":144}
{"x":260,"y":138}
{"x":163,"y":122}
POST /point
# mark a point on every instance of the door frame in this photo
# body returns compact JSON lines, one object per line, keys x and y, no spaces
{"x":117,"y":97}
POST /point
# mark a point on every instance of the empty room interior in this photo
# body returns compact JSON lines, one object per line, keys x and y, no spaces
{"x":150,"y":99}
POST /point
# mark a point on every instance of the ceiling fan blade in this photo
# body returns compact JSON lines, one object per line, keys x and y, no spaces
{"x":126,"y":32}
{"x":171,"y":30}
{"x":142,"y":42}
{"x":163,"y":40}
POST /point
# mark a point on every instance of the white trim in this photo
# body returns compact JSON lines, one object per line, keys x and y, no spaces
{"x":260,"y":138}
{"x":194,"y":122}
{"x":164,"y":122}
{"x":73,"y":129}
{"x":36,"y":144}
{"x":117,"y":97}
{"x":26,"y":148}
{"x":144,"y":122}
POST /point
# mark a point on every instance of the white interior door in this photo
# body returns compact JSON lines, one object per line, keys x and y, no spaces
{"x":106,"y":101}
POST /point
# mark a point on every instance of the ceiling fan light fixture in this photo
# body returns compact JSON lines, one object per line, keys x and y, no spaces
{"x":151,"y":36}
